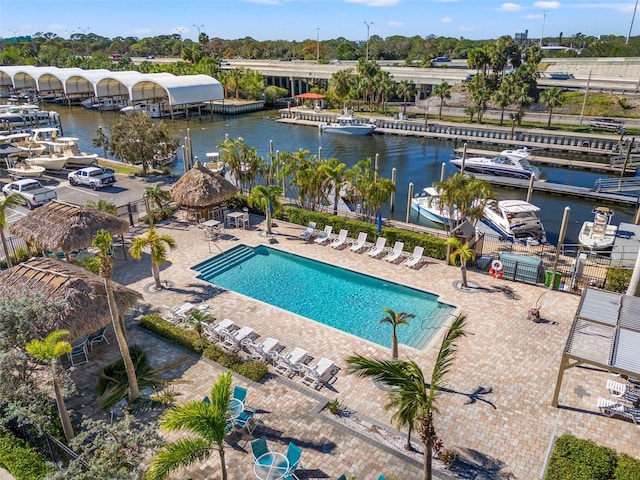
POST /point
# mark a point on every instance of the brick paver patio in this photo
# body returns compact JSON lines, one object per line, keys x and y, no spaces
{"x":496,"y":412}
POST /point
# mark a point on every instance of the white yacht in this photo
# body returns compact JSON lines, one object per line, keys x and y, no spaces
{"x":428,"y":205}
{"x":598,"y":234}
{"x":348,"y":124}
{"x":515,"y":220}
{"x":509,"y":163}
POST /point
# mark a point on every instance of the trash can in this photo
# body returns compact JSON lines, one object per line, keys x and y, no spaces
{"x":556,"y":280}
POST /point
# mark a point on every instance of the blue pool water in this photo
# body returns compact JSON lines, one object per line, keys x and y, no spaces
{"x":340,"y":298}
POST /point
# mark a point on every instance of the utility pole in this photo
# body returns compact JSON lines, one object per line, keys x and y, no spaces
{"x":368,"y":24}
{"x":584,"y":101}
{"x":632,"y":19}
{"x":86,"y":42}
{"x":198,"y":27}
{"x":544,"y":20}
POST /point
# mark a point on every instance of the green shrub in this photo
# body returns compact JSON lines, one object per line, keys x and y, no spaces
{"x":23,"y":462}
{"x":578,"y":459}
{"x":618,"y":279}
{"x":191,"y":340}
{"x":628,"y":468}
{"x":434,"y":247}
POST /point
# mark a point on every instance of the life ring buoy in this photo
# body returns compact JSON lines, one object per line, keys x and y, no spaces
{"x":496,"y":270}
{"x":586,"y":144}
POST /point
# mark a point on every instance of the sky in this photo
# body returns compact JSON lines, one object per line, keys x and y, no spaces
{"x":318,"y":19}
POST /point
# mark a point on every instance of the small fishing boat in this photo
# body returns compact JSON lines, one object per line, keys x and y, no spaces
{"x":515,"y":220}
{"x":348,"y":124}
{"x":598,"y":234}
{"x":214,"y":163}
{"x":49,"y":162}
{"x":21,"y":170}
{"x":428,"y":205}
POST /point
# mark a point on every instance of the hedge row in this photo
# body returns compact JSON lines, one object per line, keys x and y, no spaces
{"x":23,"y":462}
{"x":434,"y":247}
{"x":577,"y":459}
{"x":192,"y":341}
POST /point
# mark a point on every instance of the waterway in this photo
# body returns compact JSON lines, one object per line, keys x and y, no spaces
{"x":416,"y":160}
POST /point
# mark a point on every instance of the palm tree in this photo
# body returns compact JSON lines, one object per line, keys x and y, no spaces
{"x":108,"y":207}
{"x":461,"y":252}
{"x":442,"y":91}
{"x":267,"y":198}
{"x":208,"y":421}
{"x":552,"y":97}
{"x":394,"y":319}
{"x":334,"y":171}
{"x":156,"y":243}
{"x":406,"y":89}
{"x":103,"y":242}
{"x":157,"y":195}
{"x":10,"y":201}
{"x":414,"y":403}
{"x":49,"y":351}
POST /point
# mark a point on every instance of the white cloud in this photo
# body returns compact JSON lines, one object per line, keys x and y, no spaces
{"x":376,"y":3}
{"x":396,"y":23}
{"x":549,"y":5}
{"x":509,"y":7}
{"x":446,"y":19}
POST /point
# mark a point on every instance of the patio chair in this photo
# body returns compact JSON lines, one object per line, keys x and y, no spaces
{"x":378,"y":248}
{"x":264,"y":351}
{"x":415,"y":258}
{"x":342,"y":477}
{"x":259,"y":447}
{"x":282,"y":365}
{"x":612,"y":408}
{"x":232,"y":340}
{"x":325,"y":235}
{"x":79,"y":354}
{"x":293,"y":456}
{"x":239,"y":393}
{"x":340,"y":240}
{"x":97,"y":337}
{"x":308,"y":233}
{"x":317,"y":375}
{"x":225,"y":326}
{"x":298,"y":355}
{"x":360,"y":243}
{"x":623,"y":390}
{"x":396,"y":253}
{"x":247,"y":420}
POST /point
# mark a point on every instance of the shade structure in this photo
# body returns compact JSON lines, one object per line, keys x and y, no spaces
{"x":311,"y":96}
{"x":62,"y":225}
{"x":201,"y":188}
{"x":82,"y":293}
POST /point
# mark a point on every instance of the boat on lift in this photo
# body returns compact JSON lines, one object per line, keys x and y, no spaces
{"x":348,"y":124}
{"x":599,"y":234}
{"x":428,"y":205}
{"x":515,"y":220}
{"x":508,"y":163}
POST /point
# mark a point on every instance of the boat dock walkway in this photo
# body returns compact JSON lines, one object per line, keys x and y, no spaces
{"x":559,"y":162}
{"x":565,"y":190}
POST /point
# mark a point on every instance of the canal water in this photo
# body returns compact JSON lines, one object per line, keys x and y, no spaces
{"x":416,"y":160}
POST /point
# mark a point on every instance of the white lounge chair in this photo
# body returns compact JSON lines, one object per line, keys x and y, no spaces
{"x":264,"y":351}
{"x":177,"y":314}
{"x":233,"y":340}
{"x":360,"y":243}
{"x":612,"y":408}
{"x":622,"y":390}
{"x":340,"y":240}
{"x":282,"y":365}
{"x":325,"y":235}
{"x":378,"y":248}
{"x":308,"y":233}
{"x":396,"y":253}
{"x":319,"y":374}
{"x":298,"y":355}
{"x":225,"y":325}
{"x":415,"y":258}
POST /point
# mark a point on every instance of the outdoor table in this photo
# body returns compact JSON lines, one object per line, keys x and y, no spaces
{"x":236,"y":217}
{"x":211,"y":225}
{"x":271,"y":466}
{"x":236,"y":407}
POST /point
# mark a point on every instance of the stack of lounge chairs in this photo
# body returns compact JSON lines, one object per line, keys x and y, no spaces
{"x":625,"y":402}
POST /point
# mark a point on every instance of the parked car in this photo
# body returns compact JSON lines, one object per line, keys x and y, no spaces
{"x":94,"y":177}
{"x":150,"y":57}
{"x":32,"y":191}
{"x":441,"y":60}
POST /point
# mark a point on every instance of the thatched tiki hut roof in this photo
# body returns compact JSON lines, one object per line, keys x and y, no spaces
{"x":69,"y":227}
{"x":201,"y":188}
{"x":85,"y":301}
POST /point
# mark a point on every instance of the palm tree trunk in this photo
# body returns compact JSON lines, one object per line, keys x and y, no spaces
{"x":5,"y":246}
{"x":134,"y":391}
{"x":67,"y":428}
{"x":223,"y":465}
{"x":440,"y":111}
{"x":268,"y":215}
{"x":463,"y":271}
{"x":428,"y":457}
{"x":549,"y":120}
{"x":156,"y":274}
{"x":394,"y":345}
{"x":408,"y":447}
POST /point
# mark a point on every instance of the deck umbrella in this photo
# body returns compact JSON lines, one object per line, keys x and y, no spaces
{"x":200,"y":189}
{"x":82,"y":293}
{"x":311,"y":96}
{"x":62,"y":225}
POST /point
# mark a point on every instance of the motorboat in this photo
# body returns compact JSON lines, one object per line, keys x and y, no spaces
{"x":68,"y":146}
{"x":165,"y":155}
{"x":153,"y":109}
{"x":214,"y":163}
{"x":49,"y":162}
{"x":22,"y":170}
{"x":24,"y":142}
{"x":26,"y":116}
{"x":105,"y":104}
{"x":515,"y":220}
{"x":598,"y":234}
{"x":508,"y":163}
{"x":349,"y":125}
{"x":427,"y":203}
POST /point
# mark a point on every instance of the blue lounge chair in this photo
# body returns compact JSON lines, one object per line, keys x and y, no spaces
{"x":259,"y":447}
{"x":293,"y":456}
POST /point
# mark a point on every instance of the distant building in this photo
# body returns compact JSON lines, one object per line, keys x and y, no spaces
{"x":521,"y":38}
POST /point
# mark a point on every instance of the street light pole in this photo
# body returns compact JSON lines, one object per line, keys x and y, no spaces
{"x":180,"y":30}
{"x":544,"y":20}
{"x":198,"y":27}
{"x":368,"y":24}
{"x":632,"y":19}
{"x":317,"y":45}
{"x":86,"y":43}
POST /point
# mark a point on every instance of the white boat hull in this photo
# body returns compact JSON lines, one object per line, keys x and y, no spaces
{"x":49,"y":163}
{"x":365,"y":129}
{"x":596,"y":239}
{"x":84,"y":160}
{"x":25,"y":171}
{"x":515,"y":221}
{"x":428,"y":206}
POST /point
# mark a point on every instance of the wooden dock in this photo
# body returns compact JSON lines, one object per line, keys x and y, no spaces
{"x":564,"y":190}
{"x":560,"y":162}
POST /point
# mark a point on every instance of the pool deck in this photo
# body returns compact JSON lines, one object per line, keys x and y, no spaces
{"x":496,"y":412}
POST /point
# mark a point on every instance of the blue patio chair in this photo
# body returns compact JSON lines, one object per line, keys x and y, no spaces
{"x":79,"y":351}
{"x":246,"y":420}
{"x":206,"y":400}
{"x":239,"y":393}
{"x":382,"y":477}
{"x":342,"y":477}
{"x":259,"y":447}
{"x":293,"y":455}
{"x":97,"y":337}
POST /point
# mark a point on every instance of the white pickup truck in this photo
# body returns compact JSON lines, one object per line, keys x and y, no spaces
{"x":95,"y":177}
{"x":32,"y":191}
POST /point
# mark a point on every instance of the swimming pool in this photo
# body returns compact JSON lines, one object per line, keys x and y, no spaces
{"x":343,"y":299}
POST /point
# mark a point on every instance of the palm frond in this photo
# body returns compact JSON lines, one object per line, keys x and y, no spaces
{"x":447,"y":353}
{"x":179,"y":454}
